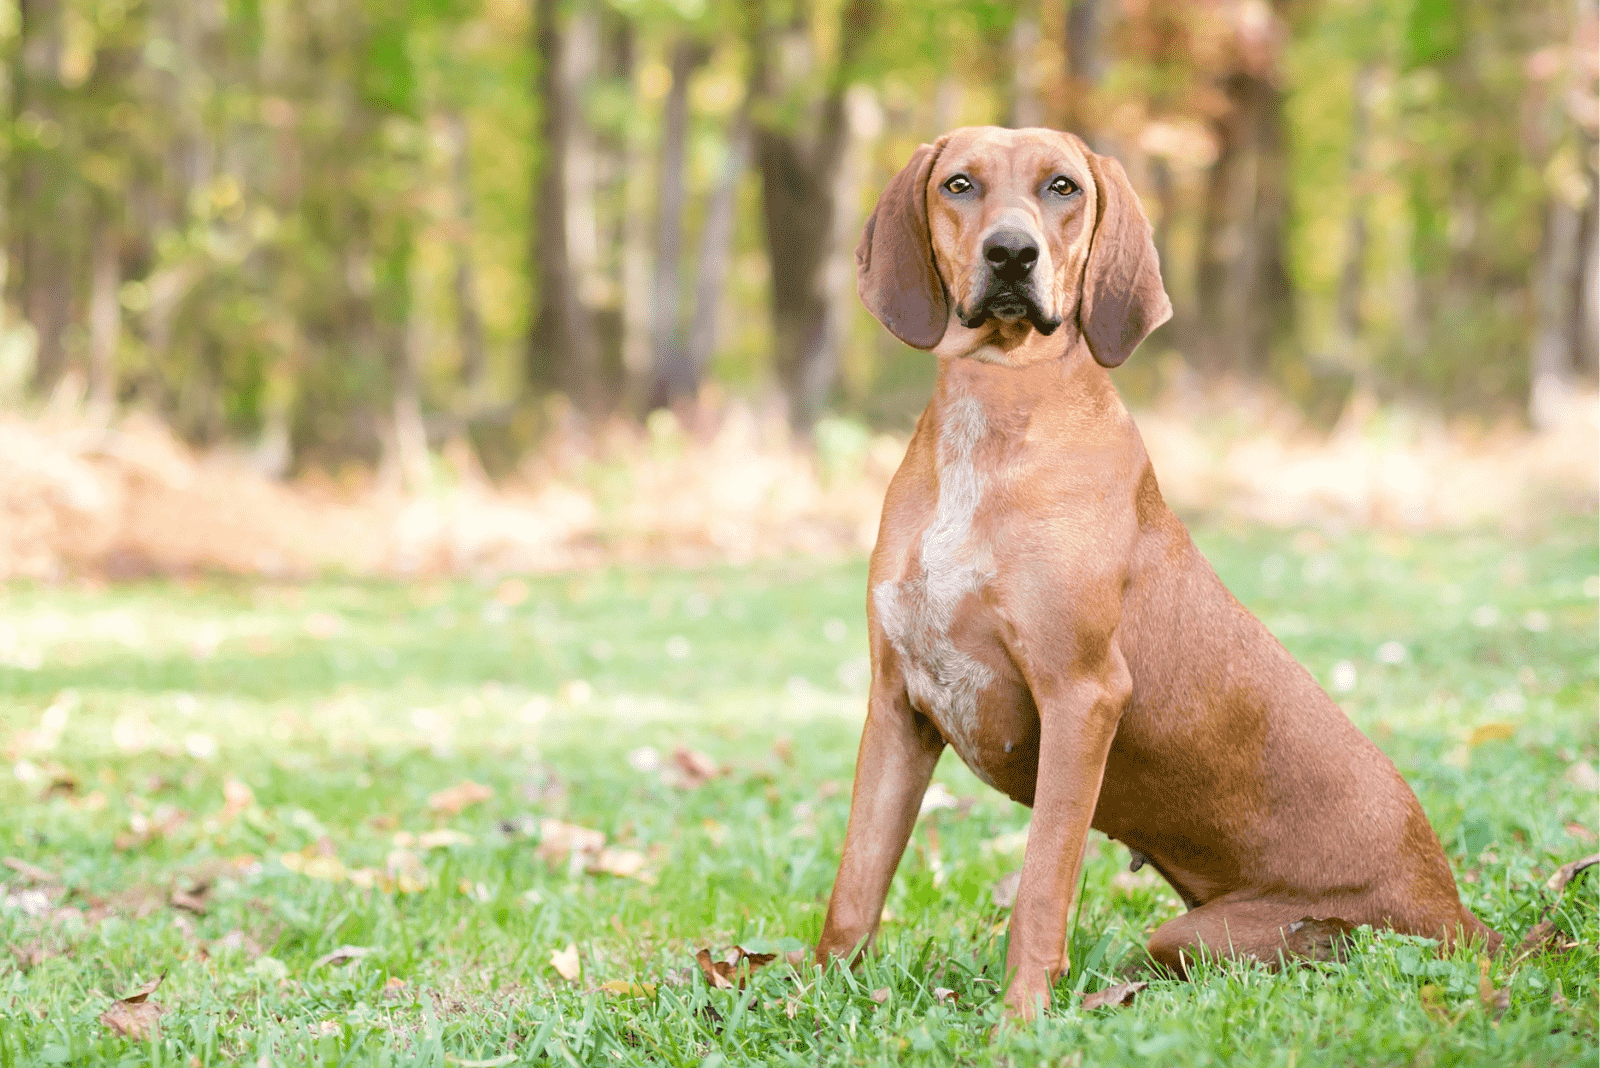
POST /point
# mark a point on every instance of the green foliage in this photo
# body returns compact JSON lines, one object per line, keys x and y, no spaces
{"x":284,"y":205}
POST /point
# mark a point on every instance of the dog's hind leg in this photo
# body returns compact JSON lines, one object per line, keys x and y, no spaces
{"x":1267,"y":931}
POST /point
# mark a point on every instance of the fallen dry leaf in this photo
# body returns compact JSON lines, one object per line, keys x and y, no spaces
{"x":623,"y":863}
{"x":442,"y":839}
{"x":236,"y":798}
{"x":561,"y":842}
{"x":393,"y":987}
{"x":626,"y":988}
{"x":695,"y":768}
{"x":343,"y":955}
{"x":1545,"y":933}
{"x":734,"y":970}
{"x":880,"y":995}
{"x":32,"y":955}
{"x":565,"y":962}
{"x":1495,"y":1002}
{"x":944,"y":995}
{"x":135,"y":1016}
{"x":31,"y":872}
{"x":1115,"y":997}
{"x":1491,"y":732}
{"x":1432,"y":997}
{"x":1584,"y":777}
{"x":1004,"y":891}
{"x":461,"y":796}
{"x":407,"y":871}
{"x":192,"y":899}
{"x":1557,"y":883}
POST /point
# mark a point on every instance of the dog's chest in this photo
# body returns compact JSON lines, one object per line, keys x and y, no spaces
{"x":919,"y":611}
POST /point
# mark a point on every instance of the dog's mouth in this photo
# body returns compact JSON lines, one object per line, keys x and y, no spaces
{"x":1009,"y":302}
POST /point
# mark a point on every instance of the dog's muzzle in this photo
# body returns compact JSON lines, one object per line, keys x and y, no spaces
{"x":1010,"y":293}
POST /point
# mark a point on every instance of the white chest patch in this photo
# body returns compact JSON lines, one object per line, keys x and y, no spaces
{"x":944,"y":682}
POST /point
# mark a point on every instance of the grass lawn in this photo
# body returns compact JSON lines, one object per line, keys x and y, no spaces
{"x":225,"y":783}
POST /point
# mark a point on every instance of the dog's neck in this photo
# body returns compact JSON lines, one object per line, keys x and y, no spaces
{"x":1054,"y":378}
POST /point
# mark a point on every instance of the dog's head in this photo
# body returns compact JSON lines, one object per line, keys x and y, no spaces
{"x":987,"y":230}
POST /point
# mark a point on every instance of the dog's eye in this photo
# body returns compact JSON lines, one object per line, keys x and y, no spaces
{"x":1062,"y":186}
{"x":957,"y":184}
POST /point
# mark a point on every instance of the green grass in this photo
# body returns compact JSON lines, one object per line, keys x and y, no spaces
{"x":343,"y":706}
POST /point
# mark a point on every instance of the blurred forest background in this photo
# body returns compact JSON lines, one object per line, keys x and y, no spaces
{"x":341,"y":234}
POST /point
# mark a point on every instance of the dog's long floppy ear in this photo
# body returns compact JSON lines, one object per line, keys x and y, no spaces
{"x":1123,"y":298}
{"x":895,"y":274}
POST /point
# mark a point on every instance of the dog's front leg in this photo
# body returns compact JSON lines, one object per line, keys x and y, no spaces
{"x":1078,"y":718}
{"x":899,"y":749}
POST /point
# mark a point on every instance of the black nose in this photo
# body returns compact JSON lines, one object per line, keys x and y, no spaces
{"x":1011,"y":252}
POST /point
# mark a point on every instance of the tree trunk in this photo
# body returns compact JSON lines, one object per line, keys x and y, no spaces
{"x":469,"y":318}
{"x":673,"y":378}
{"x":1244,"y":297}
{"x":1552,"y":371}
{"x":716,"y":247}
{"x":799,"y":207}
{"x":105,"y":316}
{"x":561,"y":354}
{"x":1086,"y":65}
{"x":1348,"y":320}
{"x":1022,"y":93}
{"x":408,"y":433}
{"x":40,"y":209}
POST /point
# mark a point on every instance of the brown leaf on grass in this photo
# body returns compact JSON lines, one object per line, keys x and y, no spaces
{"x":623,"y":863}
{"x":565,"y":962}
{"x":191,"y":899}
{"x":135,"y":1016}
{"x":32,"y":955}
{"x":695,"y":768}
{"x":461,"y":796}
{"x":394,"y":988}
{"x":1114,"y":997}
{"x":1318,"y":938}
{"x":628,"y":989}
{"x":560,"y":842}
{"x":1004,"y":891}
{"x":343,"y":955}
{"x":1557,"y":883}
{"x":235,"y":941}
{"x":734,"y":970}
{"x":31,"y":872}
{"x":1491,"y":732}
{"x":944,"y":995}
{"x":236,"y":798}
{"x":62,"y":784}
{"x":1545,"y":934}
{"x":880,"y":995}
{"x":407,"y":871}
{"x":1432,"y":997}
{"x":1494,"y":1002}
